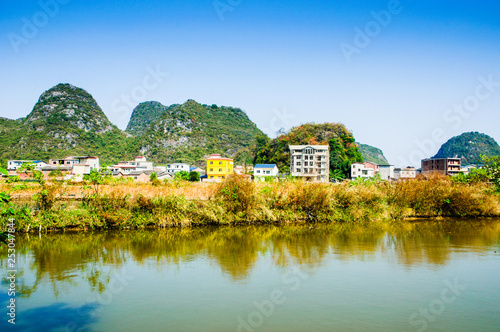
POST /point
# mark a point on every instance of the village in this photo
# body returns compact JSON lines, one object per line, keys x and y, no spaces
{"x":310,"y":162}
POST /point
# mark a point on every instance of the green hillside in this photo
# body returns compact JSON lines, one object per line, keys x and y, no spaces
{"x":372,"y":154}
{"x":191,"y":131}
{"x":66,"y":120}
{"x":343,"y":150}
{"x":469,"y":146}
{"x":144,"y":115}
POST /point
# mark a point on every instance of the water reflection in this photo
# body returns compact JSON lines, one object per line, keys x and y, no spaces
{"x":72,"y":259}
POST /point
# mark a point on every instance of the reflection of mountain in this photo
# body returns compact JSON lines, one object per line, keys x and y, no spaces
{"x":59,"y":258}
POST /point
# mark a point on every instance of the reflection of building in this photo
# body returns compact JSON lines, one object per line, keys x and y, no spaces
{"x":310,"y":161}
{"x":261,"y":171}
{"x":360,"y":170}
{"x":446,"y":166}
{"x":405,"y":173}
{"x":218,"y":167}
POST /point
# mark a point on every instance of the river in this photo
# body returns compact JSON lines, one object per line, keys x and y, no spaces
{"x":380,"y":276}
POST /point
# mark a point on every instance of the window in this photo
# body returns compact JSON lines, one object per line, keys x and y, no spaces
{"x":220,"y":162}
{"x":211,"y":169}
{"x":211,"y":163}
{"x":258,"y":172}
{"x":220,"y":169}
{"x":298,"y":170}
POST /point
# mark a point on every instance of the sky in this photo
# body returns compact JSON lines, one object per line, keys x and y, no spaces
{"x":404,"y":76}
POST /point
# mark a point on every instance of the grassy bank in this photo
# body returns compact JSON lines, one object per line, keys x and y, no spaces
{"x":241,"y":201}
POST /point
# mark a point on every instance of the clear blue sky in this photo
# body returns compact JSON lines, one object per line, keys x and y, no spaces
{"x":283,"y":62}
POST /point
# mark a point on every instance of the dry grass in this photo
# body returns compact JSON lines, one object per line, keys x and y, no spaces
{"x":240,"y":200}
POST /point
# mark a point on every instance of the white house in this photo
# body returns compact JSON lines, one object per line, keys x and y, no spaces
{"x":14,"y":165}
{"x":405,"y":173}
{"x":360,"y":170}
{"x":386,"y":172}
{"x":310,"y":161}
{"x":177,"y":167}
{"x":261,"y":171}
{"x":139,"y":164}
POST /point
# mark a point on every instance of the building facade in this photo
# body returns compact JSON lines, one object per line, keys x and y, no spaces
{"x":405,"y":173}
{"x":310,"y":161}
{"x":219,"y":168}
{"x":386,"y":172}
{"x":177,"y":167}
{"x":360,"y":170}
{"x":446,"y":166}
{"x":261,"y":171}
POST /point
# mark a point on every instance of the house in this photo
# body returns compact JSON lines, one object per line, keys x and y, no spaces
{"x":90,"y":161}
{"x":162,"y":176}
{"x":197,"y":169}
{"x":219,"y":168}
{"x":243,"y":169}
{"x":360,"y":170}
{"x":373,"y":166}
{"x":14,"y":165}
{"x":261,"y":171}
{"x":386,"y":172}
{"x":310,"y":161}
{"x":178,"y":167}
{"x":138,"y":164}
{"x":446,"y":166}
{"x":139,"y":176}
{"x":405,"y":173}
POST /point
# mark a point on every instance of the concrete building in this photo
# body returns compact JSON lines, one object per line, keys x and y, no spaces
{"x":261,"y":171}
{"x":310,"y":161}
{"x":219,"y":168}
{"x":138,"y":164}
{"x":405,"y":173}
{"x":446,"y":166}
{"x":177,"y":167}
{"x":14,"y":165}
{"x":360,"y":170}
{"x":386,"y":172}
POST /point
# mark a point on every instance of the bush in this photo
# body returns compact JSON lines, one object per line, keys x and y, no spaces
{"x":236,"y":195}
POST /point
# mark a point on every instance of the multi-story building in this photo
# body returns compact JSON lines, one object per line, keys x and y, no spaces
{"x":139,"y":164}
{"x":310,"y":161}
{"x":446,"y":166}
{"x":361,"y":170}
{"x":219,"y":168}
{"x":405,"y":173}
{"x":386,"y":172}
{"x":178,"y":167}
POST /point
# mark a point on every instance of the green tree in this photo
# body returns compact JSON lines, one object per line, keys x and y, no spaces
{"x":182,"y":176}
{"x":194,"y":176}
{"x":492,"y":166}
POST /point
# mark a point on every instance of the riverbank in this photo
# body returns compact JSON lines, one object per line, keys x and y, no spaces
{"x":239,"y":201}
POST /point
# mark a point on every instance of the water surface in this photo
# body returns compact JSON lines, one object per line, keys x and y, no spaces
{"x":424,"y":276}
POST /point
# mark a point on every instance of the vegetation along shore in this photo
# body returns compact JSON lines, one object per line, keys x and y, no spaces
{"x":101,"y":203}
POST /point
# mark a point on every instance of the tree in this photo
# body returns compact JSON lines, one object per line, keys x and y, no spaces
{"x":153,"y":177}
{"x":194,"y":176}
{"x":182,"y":176}
{"x":492,"y":166}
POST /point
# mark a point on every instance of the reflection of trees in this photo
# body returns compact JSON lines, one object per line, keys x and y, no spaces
{"x":64,"y":259}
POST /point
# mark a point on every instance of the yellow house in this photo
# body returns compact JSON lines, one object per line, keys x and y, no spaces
{"x":218,"y":168}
